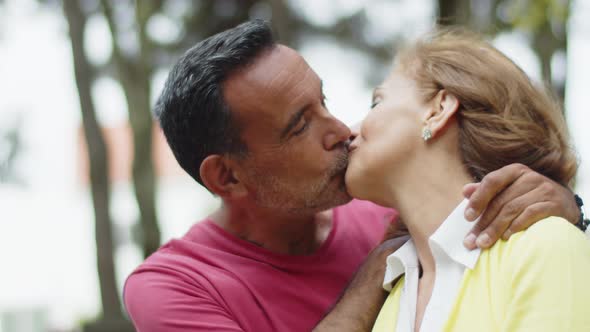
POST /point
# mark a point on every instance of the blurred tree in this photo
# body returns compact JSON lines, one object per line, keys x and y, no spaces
{"x":544,"y":22}
{"x":134,"y":72}
{"x":10,"y":148}
{"x":135,"y":64}
{"x":454,"y":12}
{"x":112,"y":318}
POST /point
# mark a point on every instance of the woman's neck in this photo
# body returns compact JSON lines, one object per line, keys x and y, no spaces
{"x":425,"y":197}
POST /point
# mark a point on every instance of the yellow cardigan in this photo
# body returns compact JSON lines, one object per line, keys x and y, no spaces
{"x":539,"y":280}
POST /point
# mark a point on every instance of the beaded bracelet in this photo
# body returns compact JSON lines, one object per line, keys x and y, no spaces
{"x":582,"y":223}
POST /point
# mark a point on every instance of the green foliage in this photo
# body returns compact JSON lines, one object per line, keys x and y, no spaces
{"x":532,"y":15}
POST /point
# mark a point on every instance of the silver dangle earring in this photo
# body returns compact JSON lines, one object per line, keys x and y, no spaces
{"x":426,"y":134}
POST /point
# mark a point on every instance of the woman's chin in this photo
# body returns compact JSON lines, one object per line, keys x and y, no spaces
{"x":354,"y":183}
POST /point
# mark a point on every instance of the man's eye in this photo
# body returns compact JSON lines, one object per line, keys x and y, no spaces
{"x":301,"y":130}
{"x":324,"y":100}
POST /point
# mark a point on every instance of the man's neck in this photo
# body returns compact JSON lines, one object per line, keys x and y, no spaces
{"x":279,"y":233}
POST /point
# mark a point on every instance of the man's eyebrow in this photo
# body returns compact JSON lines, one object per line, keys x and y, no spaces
{"x":293,"y":121}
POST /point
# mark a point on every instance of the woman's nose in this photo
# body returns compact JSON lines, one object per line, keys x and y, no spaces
{"x":355,"y":131}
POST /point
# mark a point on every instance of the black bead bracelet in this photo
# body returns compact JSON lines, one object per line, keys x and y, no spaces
{"x":582,"y":223}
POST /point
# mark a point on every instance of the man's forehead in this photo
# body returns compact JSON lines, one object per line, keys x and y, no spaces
{"x":274,"y":69}
{"x":279,"y":76}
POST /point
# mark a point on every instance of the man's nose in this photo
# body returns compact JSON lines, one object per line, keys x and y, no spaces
{"x":339,"y":135}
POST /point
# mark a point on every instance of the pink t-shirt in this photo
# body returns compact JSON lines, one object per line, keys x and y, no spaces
{"x":210,"y":280}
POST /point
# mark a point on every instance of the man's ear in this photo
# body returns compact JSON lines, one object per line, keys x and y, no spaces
{"x":442,"y":109}
{"x":220,"y":177}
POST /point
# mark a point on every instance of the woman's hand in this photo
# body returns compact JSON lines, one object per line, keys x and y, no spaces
{"x":512,"y":199}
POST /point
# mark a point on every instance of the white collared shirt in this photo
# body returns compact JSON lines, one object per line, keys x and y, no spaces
{"x":450,"y":257}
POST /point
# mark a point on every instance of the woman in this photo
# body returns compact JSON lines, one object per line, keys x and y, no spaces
{"x":452,"y":110}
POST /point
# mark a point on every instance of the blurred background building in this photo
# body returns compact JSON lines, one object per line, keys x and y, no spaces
{"x":85,"y":173}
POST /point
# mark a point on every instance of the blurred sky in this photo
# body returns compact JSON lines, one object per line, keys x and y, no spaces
{"x":46,"y":227}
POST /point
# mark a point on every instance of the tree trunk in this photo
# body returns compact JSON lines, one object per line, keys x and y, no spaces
{"x":282,"y":22}
{"x":138,"y":103}
{"x":97,"y":155}
{"x":454,"y":12}
{"x":545,"y":45}
{"x":135,"y":76}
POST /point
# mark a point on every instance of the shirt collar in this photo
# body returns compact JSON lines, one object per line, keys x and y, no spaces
{"x":447,"y":239}
{"x":397,"y":263}
{"x":450,"y":235}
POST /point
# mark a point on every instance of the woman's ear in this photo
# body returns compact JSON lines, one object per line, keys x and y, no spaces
{"x":219,"y":176}
{"x":443,"y":107}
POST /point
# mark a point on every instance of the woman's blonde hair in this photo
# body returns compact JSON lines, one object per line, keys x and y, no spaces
{"x":503,"y":117}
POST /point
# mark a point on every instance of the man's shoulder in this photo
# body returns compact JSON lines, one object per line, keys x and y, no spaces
{"x":181,"y":268}
{"x":161,"y":296}
{"x":180,"y":259}
{"x":170,"y":264}
{"x":364,"y":209}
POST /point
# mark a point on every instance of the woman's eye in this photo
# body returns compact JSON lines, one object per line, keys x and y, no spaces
{"x":374,"y":103}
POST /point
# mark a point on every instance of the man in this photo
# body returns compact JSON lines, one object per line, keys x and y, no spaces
{"x":246,"y":118}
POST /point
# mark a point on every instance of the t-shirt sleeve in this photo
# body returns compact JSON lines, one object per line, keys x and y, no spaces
{"x":158,"y":302}
{"x":548,"y":277}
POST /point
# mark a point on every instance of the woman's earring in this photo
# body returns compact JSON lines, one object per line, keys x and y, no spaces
{"x":426,"y":134}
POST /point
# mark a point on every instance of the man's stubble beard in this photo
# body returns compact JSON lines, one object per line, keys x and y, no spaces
{"x":314,"y":197}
